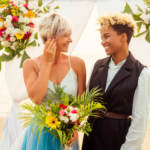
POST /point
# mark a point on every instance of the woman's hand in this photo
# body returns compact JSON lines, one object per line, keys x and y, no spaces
{"x":50,"y":50}
{"x":74,"y":138}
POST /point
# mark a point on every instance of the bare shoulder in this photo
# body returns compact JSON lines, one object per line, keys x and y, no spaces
{"x":30,"y":64}
{"x":78,"y":64}
{"x":77,"y":60}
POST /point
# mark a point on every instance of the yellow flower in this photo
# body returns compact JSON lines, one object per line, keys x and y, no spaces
{"x":1,"y":23}
{"x":3,"y":5}
{"x":29,"y":14}
{"x":13,"y":11}
{"x":52,"y":122}
{"x":19,"y":36}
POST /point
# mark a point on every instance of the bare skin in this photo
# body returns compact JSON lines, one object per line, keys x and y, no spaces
{"x":115,"y":45}
{"x":54,"y":66}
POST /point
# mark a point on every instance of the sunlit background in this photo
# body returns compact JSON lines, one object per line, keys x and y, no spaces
{"x":86,"y":40}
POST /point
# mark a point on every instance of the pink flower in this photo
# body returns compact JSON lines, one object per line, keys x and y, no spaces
{"x":62,"y":106}
{"x":8,"y":38}
{"x":74,"y":111}
{"x":62,"y":112}
{"x":26,"y":6}
{"x":15,"y":19}
{"x":31,"y":25}
{"x":27,"y":35}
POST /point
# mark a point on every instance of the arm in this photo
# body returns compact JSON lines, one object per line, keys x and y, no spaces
{"x":140,"y":113}
{"x":37,"y":84}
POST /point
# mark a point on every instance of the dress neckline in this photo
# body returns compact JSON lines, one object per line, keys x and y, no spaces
{"x":50,"y":81}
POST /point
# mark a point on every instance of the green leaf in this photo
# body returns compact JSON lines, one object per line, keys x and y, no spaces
{"x":45,"y":10}
{"x":40,"y":2}
{"x":27,"y":1}
{"x":128,"y":9}
{"x":5,"y":57}
{"x":36,"y":35}
{"x":139,"y":9}
{"x":24,"y":57}
{"x":136,"y":17}
{"x":140,"y":34}
{"x":147,"y":38}
{"x":139,"y":25}
{"x":33,"y":43}
{"x":10,"y":51}
{"x":1,"y":47}
{"x":57,"y":7}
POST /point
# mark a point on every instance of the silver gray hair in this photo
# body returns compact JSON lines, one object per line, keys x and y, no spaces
{"x":53,"y":26}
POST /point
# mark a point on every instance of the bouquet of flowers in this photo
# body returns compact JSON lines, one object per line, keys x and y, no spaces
{"x":61,"y":114}
{"x":17,"y":27}
{"x":142,"y":18}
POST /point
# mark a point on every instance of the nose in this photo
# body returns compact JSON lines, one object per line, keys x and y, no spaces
{"x":70,"y":40}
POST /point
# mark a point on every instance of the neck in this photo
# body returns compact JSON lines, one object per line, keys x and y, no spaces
{"x":120,"y":56}
{"x":57,"y":57}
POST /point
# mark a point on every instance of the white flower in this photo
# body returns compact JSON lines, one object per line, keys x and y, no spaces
{"x":9,"y":18}
{"x":146,"y":18}
{"x":16,"y":31}
{"x":2,"y":9}
{"x":26,"y":20}
{"x":23,"y":9}
{"x":6,"y":43}
{"x":13,"y":47}
{"x":8,"y":24}
{"x":64,"y":118}
{"x":73,"y":117}
{"x":12,"y":39}
{"x":8,"y":31}
{"x":27,"y":29}
{"x":15,"y":44}
{"x":33,"y":5}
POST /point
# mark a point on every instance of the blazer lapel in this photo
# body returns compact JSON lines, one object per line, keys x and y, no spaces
{"x":123,"y":73}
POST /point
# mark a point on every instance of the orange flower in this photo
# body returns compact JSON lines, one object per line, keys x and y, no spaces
{"x":29,"y":14}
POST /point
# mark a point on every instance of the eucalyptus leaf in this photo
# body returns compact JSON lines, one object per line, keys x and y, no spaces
{"x":139,"y":25}
{"x":128,"y":9}
{"x":138,"y":35}
{"x":148,"y":37}
{"x":40,"y":2}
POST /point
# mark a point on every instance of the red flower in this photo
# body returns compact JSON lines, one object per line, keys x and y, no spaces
{"x":31,"y":25}
{"x":62,"y":106}
{"x":11,"y":2}
{"x":74,"y":111}
{"x":8,"y":38}
{"x":15,"y":19}
{"x":27,"y":35}
{"x":3,"y":29}
{"x":26,"y":6}
{"x":1,"y":33}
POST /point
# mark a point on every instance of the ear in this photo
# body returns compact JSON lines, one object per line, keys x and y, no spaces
{"x":124,"y":37}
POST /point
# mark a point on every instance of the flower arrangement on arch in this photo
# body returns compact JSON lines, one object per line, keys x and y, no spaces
{"x":61,"y":114}
{"x":17,"y":27}
{"x":142,"y":19}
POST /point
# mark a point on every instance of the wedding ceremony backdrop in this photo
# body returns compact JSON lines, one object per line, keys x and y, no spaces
{"x":86,"y":44}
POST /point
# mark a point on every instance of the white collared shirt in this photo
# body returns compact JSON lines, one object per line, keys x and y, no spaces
{"x":140,"y":110}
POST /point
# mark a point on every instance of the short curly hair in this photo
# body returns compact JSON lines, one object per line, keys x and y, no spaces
{"x":121,"y":23}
